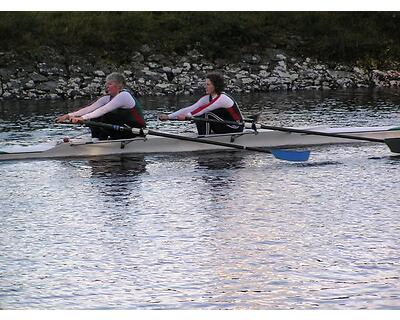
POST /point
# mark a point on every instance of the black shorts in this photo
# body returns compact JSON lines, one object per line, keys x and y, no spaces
{"x":204,"y":128}
{"x":118,"y":117}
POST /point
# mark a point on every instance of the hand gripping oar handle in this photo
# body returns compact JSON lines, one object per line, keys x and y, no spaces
{"x":287,"y":155}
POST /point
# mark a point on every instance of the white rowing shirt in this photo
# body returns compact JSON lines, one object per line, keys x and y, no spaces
{"x":104,"y":105}
{"x":204,"y":105}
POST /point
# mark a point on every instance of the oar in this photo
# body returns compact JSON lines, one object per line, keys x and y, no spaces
{"x":392,"y":143}
{"x":287,"y":155}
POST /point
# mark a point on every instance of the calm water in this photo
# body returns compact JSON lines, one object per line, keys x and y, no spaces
{"x":231,"y":230}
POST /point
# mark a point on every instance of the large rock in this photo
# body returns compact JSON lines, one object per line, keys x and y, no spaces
{"x":251,"y":58}
{"x":6,"y":73}
{"x":137,"y":57}
{"x":36,"y":77}
{"x":48,"y":86}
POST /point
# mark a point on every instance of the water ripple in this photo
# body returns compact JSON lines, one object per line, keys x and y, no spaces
{"x":227,"y":230}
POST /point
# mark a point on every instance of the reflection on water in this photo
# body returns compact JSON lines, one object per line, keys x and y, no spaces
{"x":112,"y":177}
{"x":111,"y":166}
{"x":217,"y":230}
{"x":395,"y":158}
{"x":220,"y":160}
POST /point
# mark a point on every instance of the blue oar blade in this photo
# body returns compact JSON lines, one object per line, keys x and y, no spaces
{"x":289,"y":155}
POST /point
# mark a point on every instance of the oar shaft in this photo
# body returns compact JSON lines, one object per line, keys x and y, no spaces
{"x":290,"y":130}
{"x":280,"y":154}
{"x":392,"y":143}
{"x":172,"y":136}
{"x":287,"y":155}
{"x":319,"y":133}
{"x":205,"y":141}
{"x":106,"y":126}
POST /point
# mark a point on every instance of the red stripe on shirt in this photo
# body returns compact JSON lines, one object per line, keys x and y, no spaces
{"x":137,"y":117}
{"x":205,"y":105}
{"x":233,"y":114}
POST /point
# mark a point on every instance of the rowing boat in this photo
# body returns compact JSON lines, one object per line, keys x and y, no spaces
{"x":261,"y":138}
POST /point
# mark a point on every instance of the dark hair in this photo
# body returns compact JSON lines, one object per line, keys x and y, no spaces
{"x":217,"y":80}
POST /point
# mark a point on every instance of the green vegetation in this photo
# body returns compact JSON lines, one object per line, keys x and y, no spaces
{"x":364,"y":38}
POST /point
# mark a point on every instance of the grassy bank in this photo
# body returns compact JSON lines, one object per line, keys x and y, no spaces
{"x":363,"y":38}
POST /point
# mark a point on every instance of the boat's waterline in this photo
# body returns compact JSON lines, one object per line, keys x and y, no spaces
{"x":155,"y":144}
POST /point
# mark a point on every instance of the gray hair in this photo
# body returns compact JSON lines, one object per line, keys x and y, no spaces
{"x":118,"y":78}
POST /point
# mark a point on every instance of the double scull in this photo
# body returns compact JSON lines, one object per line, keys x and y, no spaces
{"x":267,"y":139}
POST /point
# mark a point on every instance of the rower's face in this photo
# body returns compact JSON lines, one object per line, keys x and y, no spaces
{"x":112,"y":88}
{"x":209,"y":87}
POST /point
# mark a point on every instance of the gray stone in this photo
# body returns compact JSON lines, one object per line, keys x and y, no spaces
{"x":30,"y":84}
{"x":156,"y":58}
{"x":99,"y":73}
{"x":280,"y":57}
{"x":339,"y":74}
{"x":137,"y":57}
{"x":247,"y":80}
{"x":54,"y":96}
{"x":145,"y":49}
{"x":153,"y":65}
{"x":177,"y":70}
{"x":282,"y":74}
{"x":282,"y":64}
{"x":264,"y":74}
{"x":48,"y":86}
{"x":251,"y":58}
{"x":6,"y":73}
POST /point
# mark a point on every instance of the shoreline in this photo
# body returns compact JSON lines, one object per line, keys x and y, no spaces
{"x":154,"y":74}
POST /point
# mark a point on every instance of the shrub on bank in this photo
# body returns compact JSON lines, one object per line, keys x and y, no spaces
{"x":369,"y":39}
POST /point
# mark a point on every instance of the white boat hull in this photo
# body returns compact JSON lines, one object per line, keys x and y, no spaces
{"x":155,"y":144}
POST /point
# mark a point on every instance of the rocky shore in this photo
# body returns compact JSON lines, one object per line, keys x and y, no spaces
{"x":57,"y":77}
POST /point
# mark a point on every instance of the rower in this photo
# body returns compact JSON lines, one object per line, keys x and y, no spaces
{"x":117,"y":107}
{"x":215,"y":105}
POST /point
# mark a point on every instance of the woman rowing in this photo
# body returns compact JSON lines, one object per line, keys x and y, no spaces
{"x":117,"y":107}
{"x":215,"y":105}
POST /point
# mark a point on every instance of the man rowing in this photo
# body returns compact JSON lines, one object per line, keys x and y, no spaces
{"x":216,"y":105}
{"x":117,"y":107}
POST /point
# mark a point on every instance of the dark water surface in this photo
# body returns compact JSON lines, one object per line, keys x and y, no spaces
{"x":227,"y":230}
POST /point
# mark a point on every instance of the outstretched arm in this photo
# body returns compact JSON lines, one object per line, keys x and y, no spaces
{"x":186,"y":111}
{"x":97,"y":104}
{"x":121,"y":100}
